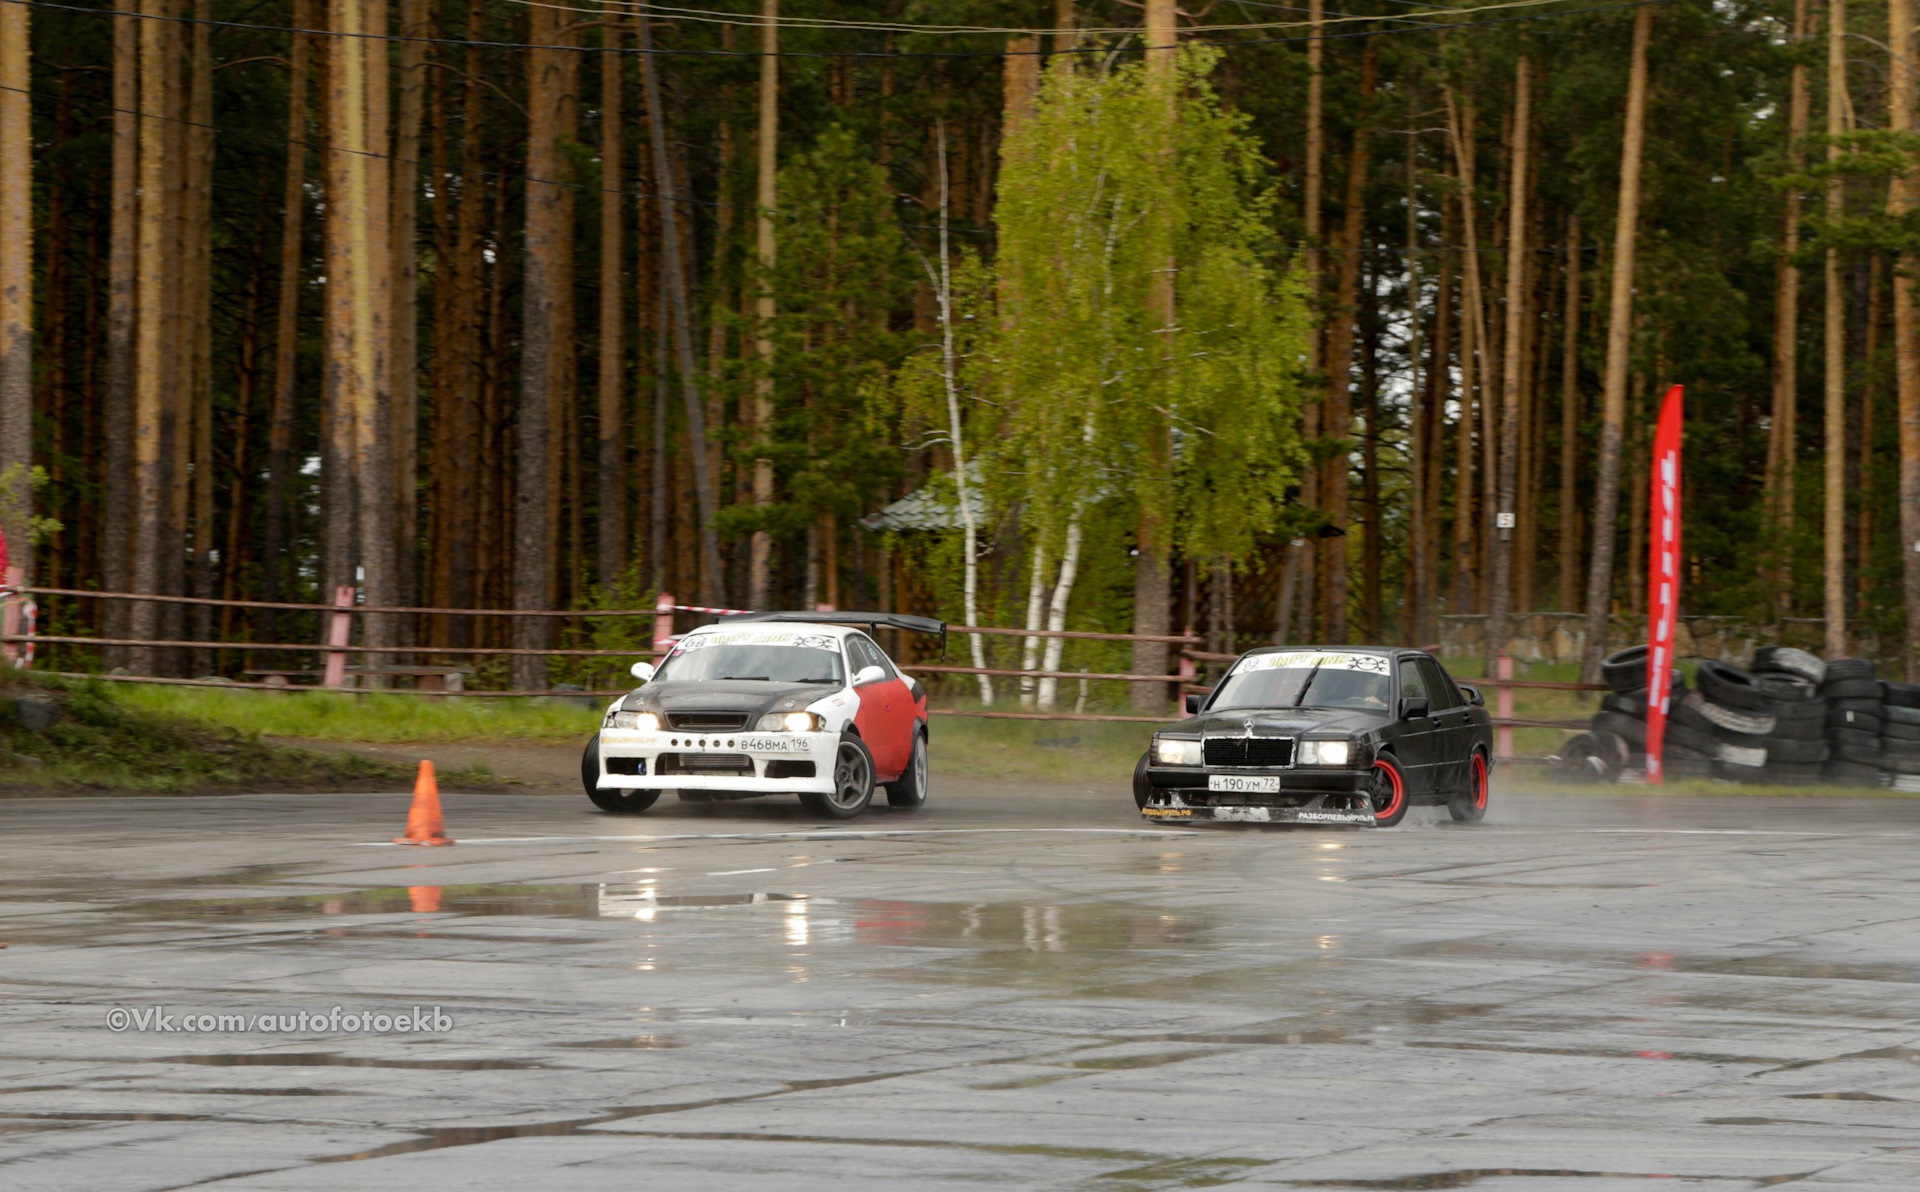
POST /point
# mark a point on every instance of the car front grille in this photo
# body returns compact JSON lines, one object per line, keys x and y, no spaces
{"x":723,"y":722}
{"x":1248,"y":751}
{"x":737,"y":765}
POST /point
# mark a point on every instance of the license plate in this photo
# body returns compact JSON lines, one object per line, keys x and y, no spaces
{"x":782,"y":743}
{"x":1245,"y":784}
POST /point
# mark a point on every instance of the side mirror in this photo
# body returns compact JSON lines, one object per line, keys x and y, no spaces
{"x":642,"y":671}
{"x":869,"y":674}
{"x":1473,"y":695}
{"x":1414,"y":707}
{"x":1194,"y":703}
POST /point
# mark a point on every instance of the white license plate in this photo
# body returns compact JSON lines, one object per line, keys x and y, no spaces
{"x":1245,"y":784}
{"x":782,"y":743}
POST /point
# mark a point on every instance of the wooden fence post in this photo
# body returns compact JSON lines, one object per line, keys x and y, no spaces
{"x":662,"y":627}
{"x":339,"y":629}
{"x":1503,"y":704}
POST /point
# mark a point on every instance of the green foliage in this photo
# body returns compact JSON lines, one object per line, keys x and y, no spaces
{"x":1099,"y":195}
{"x":102,"y":739}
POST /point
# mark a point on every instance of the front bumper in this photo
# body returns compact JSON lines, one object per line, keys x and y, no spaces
{"x":1306,"y":796}
{"x":761,"y":763}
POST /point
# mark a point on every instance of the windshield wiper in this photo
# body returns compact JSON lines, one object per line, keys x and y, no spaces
{"x":745,"y":678}
{"x":816,"y":680}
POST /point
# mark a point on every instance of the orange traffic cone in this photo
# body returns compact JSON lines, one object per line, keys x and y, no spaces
{"x":424,"y":825}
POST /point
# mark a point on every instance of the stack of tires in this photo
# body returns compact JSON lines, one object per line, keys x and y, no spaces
{"x":1900,"y":735}
{"x":1619,"y":729}
{"x":1728,"y":711}
{"x":1788,"y":682}
{"x":1856,"y":716}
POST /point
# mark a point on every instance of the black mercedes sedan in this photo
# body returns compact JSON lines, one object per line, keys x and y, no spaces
{"x":1322,"y":735}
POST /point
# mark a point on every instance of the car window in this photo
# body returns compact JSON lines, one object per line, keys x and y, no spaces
{"x":1443,"y":693}
{"x":1305,"y":679}
{"x":1413,"y":684}
{"x":880,"y":658}
{"x":864,"y":654}
{"x":769,"y":655}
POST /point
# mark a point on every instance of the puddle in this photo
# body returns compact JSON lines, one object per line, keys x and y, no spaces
{"x":333,"y":1059}
{"x":1467,"y":1177}
{"x":576,"y":901}
{"x":633,"y":1043}
{"x":1122,"y":1063}
{"x":1842,"y":1097}
{"x":1032,"y":927}
{"x":1909,"y":1054}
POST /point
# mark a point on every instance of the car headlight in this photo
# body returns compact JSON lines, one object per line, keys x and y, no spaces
{"x":789,"y":722}
{"x":645,"y":722}
{"x":1325,"y":753}
{"x":1170,"y":751}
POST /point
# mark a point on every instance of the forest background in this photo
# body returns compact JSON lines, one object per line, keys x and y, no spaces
{"x":1249,"y":317}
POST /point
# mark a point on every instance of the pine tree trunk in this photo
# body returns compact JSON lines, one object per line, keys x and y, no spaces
{"x":1777,"y":500}
{"x":1570,"y":421}
{"x":1500,"y":586}
{"x":404,"y":331}
{"x":1420,"y":562}
{"x":150,"y":337}
{"x":1151,"y":588}
{"x":612,"y":478}
{"x":1606,"y":500}
{"x":1313,"y":204}
{"x":117,"y":542}
{"x":1337,"y":418}
{"x":767,"y":161}
{"x":1834,"y":503}
{"x":1906,"y":333}
{"x":1474,"y":361}
{"x":16,"y":284}
{"x":537,"y":430}
{"x":274,"y":561}
{"x":712,"y":578}
{"x":199,"y":297}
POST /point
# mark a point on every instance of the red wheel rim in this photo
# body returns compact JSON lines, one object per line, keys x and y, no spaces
{"x":1399,"y":790}
{"x":1480,"y":782}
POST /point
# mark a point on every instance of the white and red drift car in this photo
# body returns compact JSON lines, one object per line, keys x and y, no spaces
{"x":769,"y":704}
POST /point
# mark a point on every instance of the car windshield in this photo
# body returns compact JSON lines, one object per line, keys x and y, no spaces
{"x":1306,"y":679}
{"x":763,"y":656}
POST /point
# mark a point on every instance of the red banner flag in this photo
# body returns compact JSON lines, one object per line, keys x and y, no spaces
{"x":1663,"y":577}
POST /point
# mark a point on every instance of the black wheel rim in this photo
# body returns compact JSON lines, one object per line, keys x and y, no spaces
{"x":852,"y":778}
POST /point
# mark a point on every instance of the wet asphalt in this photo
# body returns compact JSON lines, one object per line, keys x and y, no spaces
{"x":1016,"y":986}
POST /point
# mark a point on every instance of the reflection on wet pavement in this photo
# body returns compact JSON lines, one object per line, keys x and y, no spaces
{"x":1556,"y":1003}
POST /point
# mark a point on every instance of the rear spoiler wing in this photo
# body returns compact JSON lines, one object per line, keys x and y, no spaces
{"x":912,"y":624}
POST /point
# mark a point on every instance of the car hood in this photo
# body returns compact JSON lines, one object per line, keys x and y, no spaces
{"x":726,"y":695}
{"x":1279,"y":722}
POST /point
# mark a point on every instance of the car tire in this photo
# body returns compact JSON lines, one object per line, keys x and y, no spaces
{"x":1387,"y":791}
{"x":1728,"y":720}
{"x":1469,"y":806}
{"x":1901,"y":695}
{"x":1142,"y":789}
{"x":1630,"y":729}
{"x":910,"y":789}
{"x":1847,"y":773}
{"x":1730,"y":687}
{"x":1583,"y":760}
{"x":1854,"y":689}
{"x":1787,"y":660}
{"x":852,"y":782}
{"x":1785,"y":690}
{"x":617,"y":802}
{"x":1626,"y":670}
{"x":1849,"y":668}
{"x":1791,"y":752}
{"x":1900,"y":714}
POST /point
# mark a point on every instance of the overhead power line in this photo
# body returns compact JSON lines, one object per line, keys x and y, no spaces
{"x":1195,"y":38}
